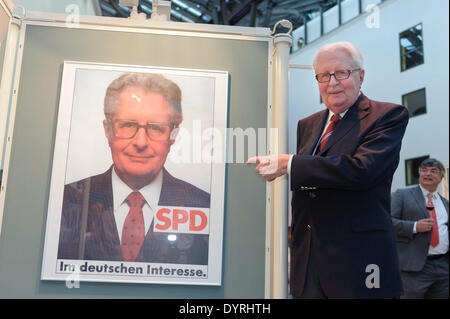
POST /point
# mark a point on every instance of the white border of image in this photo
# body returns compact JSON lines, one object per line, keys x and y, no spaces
{"x":195,"y":98}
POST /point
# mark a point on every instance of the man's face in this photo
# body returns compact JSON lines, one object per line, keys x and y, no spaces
{"x":430,"y":177}
{"x":139,"y":159}
{"x":338,"y":95}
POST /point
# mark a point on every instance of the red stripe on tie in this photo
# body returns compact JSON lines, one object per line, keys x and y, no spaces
{"x":323,"y":140}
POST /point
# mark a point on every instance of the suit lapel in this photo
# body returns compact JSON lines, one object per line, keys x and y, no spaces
{"x":317,"y":125}
{"x":444,"y":201}
{"x":358,"y":111}
{"x":103,"y":222}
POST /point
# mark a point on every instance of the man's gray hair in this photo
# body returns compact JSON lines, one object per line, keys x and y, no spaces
{"x":150,"y":82}
{"x":350,"y":48}
{"x":432,"y":162}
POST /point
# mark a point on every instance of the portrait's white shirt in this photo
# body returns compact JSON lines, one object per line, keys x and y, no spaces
{"x":121,"y":191}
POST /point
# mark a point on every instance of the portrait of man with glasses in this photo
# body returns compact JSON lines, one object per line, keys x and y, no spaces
{"x":110,"y":216}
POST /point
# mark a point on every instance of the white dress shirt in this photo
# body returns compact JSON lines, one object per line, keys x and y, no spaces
{"x":121,"y":191}
{"x":442,"y":221}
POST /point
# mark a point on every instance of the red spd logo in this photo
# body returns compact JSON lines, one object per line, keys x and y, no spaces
{"x":192,"y":220}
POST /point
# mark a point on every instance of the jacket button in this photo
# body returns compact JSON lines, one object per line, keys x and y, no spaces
{"x":308,"y":227}
{"x":312,"y":195}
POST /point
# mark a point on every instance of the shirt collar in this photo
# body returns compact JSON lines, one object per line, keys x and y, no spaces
{"x":426,"y":192}
{"x":151,"y":192}
{"x":340,"y":115}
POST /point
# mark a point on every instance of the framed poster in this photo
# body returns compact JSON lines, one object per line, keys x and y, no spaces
{"x":137,"y":186}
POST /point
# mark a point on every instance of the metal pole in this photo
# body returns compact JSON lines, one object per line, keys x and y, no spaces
{"x":300,"y":66}
{"x":282,"y":44}
{"x":321,"y":21}
{"x":305,"y":29}
{"x":339,"y":12}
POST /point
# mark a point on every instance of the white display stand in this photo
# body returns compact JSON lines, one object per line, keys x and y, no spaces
{"x":194,"y":40}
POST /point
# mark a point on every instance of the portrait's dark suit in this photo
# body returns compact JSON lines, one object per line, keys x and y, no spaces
{"x":408,"y":206}
{"x":341,"y":201}
{"x":88,"y":228}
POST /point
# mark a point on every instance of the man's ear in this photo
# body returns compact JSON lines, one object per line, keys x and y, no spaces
{"x":361,"y":76}
{"x":108,"y":130}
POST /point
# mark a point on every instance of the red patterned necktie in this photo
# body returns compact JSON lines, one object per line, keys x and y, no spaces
{"x":434,"y":241}
{"x":133,"y":232}
{"x":334,"y":121}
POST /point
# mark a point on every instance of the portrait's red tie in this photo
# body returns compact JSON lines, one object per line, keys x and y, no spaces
{"x":434,"y":241}
{"x":133,"y":232}
{"x":331,"y":126}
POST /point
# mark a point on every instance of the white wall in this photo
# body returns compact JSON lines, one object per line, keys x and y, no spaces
{"x":426,"y":134}
{"x":85,"y":7}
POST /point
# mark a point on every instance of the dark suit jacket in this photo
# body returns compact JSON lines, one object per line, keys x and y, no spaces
{"x":88,"y":228}
{"x":341,"y":201}
{"x":408,"y":206}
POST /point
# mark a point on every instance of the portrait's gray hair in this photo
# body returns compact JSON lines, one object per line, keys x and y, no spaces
{"x":350,"y":48}
{"x":431,"y":162}
{"x":155,"y":83}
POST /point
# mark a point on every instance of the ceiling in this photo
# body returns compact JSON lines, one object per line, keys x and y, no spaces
{"x":252,"y":13}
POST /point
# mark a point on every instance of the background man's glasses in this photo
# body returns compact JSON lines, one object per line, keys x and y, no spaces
{"x":338,"y":75}
{"x":433,"y":171}
{"x":157,"y":131}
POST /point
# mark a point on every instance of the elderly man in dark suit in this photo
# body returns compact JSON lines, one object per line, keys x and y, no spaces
{"x":111,"y":216}
{"x":342,"y":243}
{"x":420,"y":218}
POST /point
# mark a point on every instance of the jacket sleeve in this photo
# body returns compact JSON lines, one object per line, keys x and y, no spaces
{"x":402,"y":227}
{"x":374,"y":159}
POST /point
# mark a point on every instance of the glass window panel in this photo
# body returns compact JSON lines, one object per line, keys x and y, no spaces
{"x":415,"y":102}
{"x":411,"y":47}
{"x":412,"y":169}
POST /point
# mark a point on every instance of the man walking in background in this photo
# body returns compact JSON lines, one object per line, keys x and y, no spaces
{"x":420,"y":218}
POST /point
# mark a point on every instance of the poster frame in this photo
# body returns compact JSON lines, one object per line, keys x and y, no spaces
{"x":73,"y":97}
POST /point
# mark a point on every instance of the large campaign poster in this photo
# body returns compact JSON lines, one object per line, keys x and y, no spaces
{"x":124,"y":132}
